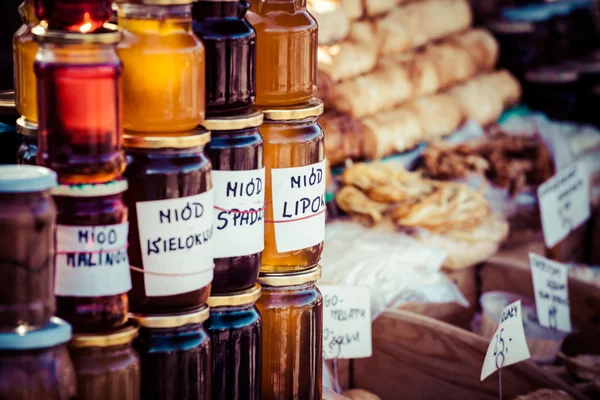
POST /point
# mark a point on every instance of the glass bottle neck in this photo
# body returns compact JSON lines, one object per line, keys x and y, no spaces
{"x":204,"y":9}
{"x":78,"y":54}
{"x":27,"y":12}
{"x":264,"y":6}
{"x":150,"y":18}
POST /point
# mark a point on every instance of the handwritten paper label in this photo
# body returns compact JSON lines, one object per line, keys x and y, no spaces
{"x":92,"y":261}
{"x":508,"y":345}
{"x":346,"y":322}
{"x":564,"y":203}
{"x":239,"y":213}
{"x":176,"y":242}
{"x":551,"y":293}
{"x":298,"y":206}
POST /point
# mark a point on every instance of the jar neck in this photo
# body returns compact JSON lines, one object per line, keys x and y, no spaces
{"x":89,"y":205}
{"x":24,"y":198}
{"x":78,"y":53}
{"x":141,"y":18}
{"x":265,"y":6}
{"x":304,"y":286}
{"x":220,"y":9}
{"x":229,"y":309}
{"x":166,"y":153}
{"x":110,"y":351}
{"x":293,"y":122}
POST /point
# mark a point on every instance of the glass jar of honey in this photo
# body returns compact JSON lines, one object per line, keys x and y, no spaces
{"x":175,"y":355}
{"x":92,"y":269}
{"x":27,"y":151}
{"x":79,"y":105}
{"x":24,"y":51}
{"x":291,"y":307}
{"x":235,"y":329}
{"x":230,"y":43}
{"x":163,"y":83}
{"x":106,"y":365}
{"x":82,"y":16}
{"x":36,"y":364}
{"x":295,"y":187}
{"x":286,"y":51}
{"x":27,"y":224}
{"x":236,"y":153}
{"x":171,"y":204}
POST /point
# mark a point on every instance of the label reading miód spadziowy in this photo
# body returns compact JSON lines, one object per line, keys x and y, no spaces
{"x":92,"y":261}
{"x":239,"y":226}
{"x":298,"y":206}
{"x":176,"y":243}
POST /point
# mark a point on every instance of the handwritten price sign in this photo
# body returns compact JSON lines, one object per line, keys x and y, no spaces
{"x":508,"y":345}
{"x":551,"y":293}
{"x":346,"y":322}
{"x":564,"y":203}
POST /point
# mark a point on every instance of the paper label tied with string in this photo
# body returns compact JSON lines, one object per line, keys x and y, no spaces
{"x":239,"y":225}
{"x":176,"y":243}
{"x":92,"y":261}
{"x":550,"y":283}
{"x":508,"y":345}
{"x":564,"y":203}
{"x":298,"y":206}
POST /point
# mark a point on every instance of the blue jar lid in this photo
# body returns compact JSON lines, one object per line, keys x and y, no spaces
{"x":580,"y":4}
{"x":56,"y":332}
{"x":560,"y":8}
{"x":529,"y":13}
{"x":25,"y":179}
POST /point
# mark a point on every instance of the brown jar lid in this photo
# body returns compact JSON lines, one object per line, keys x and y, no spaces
{"x":251,"y":119}
{"x":7,"y":103}
{"x":290,"y":278}
{"x":27,"y":128}
{"x":122,"y":336}
{"x":167,"y":140}
{"x":312,"y":108}
{"x":236,"y":298}
{"x":91,"y":189}
{"x":108,"y":34}
{"x":172,"y":320}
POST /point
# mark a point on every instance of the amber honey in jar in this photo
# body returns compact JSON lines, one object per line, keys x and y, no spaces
{"x":236,"y":153}
{"x":27,"y":224}
{"x":230,"y":43}
{"x":79,"y":105}
{"x":27,"y":151}
{"x":24,"y":51}
{"x":295,"y":187}
{"x":171,"y":212}
{"x":36,"y":365}
{"x":164,"y":78}
{"x":175,"y":355}
{"x":106,"y":365}
{"x":291,"y":307}
{"x":82,"y":16}
{"x":286,"y":51}
{"x":235,"y":329}
{"x":92,"y":268}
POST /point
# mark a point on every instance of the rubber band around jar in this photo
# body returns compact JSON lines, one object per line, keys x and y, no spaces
{"x":136,"y":269}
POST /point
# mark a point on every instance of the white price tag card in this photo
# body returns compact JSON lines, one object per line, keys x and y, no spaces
{"x":508,"y":345}
{"x":551,"y":293}
{"x":346,"y":322}
{"x":564,"y":203}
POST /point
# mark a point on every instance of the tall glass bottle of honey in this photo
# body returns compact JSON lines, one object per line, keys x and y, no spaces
{"x":230,"y":45}
{"x":286,"y":51}
{"x":24,"y":51}
{"x":163,"y":83}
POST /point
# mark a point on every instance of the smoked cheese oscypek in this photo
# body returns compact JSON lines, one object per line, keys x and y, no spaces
{"x":171,"y":213}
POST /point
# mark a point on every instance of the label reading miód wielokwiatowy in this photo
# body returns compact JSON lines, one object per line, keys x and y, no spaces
{"x":176,"y":243}
{"x":91,"y":261}
{"x":298,"y":206}
{"x":239,"y":225}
